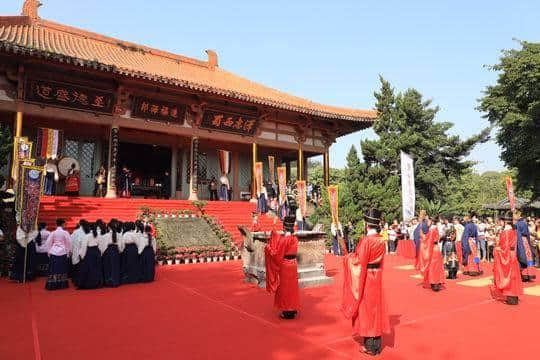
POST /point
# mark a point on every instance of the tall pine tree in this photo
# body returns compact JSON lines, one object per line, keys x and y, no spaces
{"x":406,"y":123}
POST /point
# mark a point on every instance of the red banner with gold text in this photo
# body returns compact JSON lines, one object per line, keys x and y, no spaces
{"x":510,"y":193}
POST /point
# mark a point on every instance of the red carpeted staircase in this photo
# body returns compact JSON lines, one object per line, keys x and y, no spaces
{"x":72,"y":209}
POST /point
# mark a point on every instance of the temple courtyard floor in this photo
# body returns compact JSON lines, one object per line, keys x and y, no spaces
{"x":205,"y":311}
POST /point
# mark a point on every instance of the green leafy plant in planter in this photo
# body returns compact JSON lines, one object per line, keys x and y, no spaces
{"x":200,"y":205}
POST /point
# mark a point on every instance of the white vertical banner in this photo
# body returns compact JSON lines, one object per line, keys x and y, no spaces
{"x":407,"y":186}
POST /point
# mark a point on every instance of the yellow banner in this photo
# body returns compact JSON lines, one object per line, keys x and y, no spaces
{"x":302,"y":196}
{"x":333,"y":199}
{"x":259,"y":176}
{"x":282,"y":183}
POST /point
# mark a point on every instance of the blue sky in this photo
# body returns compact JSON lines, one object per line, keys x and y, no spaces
{"x":331,"y":51}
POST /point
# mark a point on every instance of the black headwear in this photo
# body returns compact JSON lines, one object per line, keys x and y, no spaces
{"x":508,"y":216}
{"x":288,"y":223}
{"x":373,"y":217}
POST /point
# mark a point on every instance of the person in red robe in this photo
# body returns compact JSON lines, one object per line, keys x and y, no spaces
{"x":363,"y":300}
{"x":506,"y":272}
{"x":282,"y":269}
{"x":431,"y":259}
{"x":255,"y":226}
{"x":73,"y":181}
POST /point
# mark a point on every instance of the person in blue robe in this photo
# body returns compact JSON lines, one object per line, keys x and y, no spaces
{"x":422,"y":226}
{"x":471,"y":259}
{"x":524,"y":261}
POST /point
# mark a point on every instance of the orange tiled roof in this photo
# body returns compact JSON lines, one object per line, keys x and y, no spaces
{"x":56,"y":42}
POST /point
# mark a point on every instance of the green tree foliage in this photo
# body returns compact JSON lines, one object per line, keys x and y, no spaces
{"x":316,"y":174}
{"x":406,"y":123}
{"x":513,"y":106}
{"x":5,"y":147}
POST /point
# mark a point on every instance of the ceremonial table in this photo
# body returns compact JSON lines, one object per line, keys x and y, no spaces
{"x":310,"y":257}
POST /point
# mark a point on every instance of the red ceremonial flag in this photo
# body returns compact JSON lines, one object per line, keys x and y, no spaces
{"x":510,"y":193}
{"x":302,"y":196}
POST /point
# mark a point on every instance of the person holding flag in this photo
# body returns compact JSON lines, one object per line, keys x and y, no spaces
{"x":419,"y":233}
{"x":469,"y":249}
{"x":506,"y":273}
{"x":524,"y":249}
{"x":363,"y":299}
{"x":282,"y":269}
{"x":430,"y":258}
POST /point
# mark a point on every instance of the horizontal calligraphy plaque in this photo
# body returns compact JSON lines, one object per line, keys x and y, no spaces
{"x":234,"y":123}
{"x":158,"y":110}
{"x":68,"y":96}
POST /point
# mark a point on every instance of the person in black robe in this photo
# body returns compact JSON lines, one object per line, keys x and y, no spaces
{"x":25,"y":256}
{"x":90,"y":267}
{"x":148,"y":256}
{"x":110,"y":246}
{"x":130,"y":255}
{"x":166,"y":186}
{"x":125,"y":183}
{"x":42,"y":259}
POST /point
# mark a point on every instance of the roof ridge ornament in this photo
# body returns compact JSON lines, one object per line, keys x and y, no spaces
{"x":30,"y":9}
{"x":212,"y":59}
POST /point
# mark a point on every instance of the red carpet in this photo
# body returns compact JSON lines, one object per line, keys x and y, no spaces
{"x":229,"y":214}
{"x":204,"y":311}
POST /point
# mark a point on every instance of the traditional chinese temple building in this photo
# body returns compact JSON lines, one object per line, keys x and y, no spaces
{"x":124,"y":104}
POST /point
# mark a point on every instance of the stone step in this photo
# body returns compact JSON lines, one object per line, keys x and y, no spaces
{"x":311,"y":272}
{"x":315,"y":281}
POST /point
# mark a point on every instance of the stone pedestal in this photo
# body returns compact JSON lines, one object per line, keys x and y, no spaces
{"x":310,"y":257}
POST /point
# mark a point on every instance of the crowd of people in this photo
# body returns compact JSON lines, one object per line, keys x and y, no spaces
{"x":488,"y":233}
{"x":96,"y":254}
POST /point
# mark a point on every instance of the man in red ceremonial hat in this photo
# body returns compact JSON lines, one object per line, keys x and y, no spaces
{"x":282,"y":269}
{"x":506,"y":272}
{"x":363,"y":300}
{"x":430,"y":258}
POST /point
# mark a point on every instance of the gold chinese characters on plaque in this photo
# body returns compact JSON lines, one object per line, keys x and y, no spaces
{"x":227,"y":122}
{"x":68,"y":96}
{"x":158,"y":110}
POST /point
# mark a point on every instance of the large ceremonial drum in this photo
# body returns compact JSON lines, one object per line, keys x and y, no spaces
{"x":65,"y":164}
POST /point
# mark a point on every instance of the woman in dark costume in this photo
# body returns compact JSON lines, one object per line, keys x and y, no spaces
{"x":25,"y":255}
{"x":42,"y":259}
{"x":110,"y":246}
{"x":130,"y":255}
{"x":125,"y":183}
{"x":147,"y":249}
{"x":90,"y":269}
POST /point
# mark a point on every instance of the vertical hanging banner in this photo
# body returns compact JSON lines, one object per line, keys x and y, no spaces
{"x":224,"y":161}
{"x":407,"y":186}
{"x":22,"y":150}
{"x":259,"y":177}
{"x":510,"y":193}
{"x":282,"y":183}
{"x":49,"y":143}
{"x":302,"y":195}
{"x":30,"y":185}
{"x":333,"y":199}
{"x":271,"y":164}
